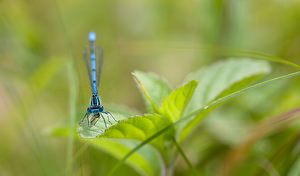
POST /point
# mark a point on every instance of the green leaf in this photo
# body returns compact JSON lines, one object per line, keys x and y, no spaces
{"x":295,"y":168}
{"x":118,"y":112}
{"x":146,"y":161}
{"x":93,"y":131}
{"x":190,"y":125}
{"x":220,"y":79}
{"x":209,"y":106}
{"x":45,"y":73}
{"x":220,"y":76}
{"x":140,"y":128}
{"x":175,"y":103}
{"x":154,"y":87}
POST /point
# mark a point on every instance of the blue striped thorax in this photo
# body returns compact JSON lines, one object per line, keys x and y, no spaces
{"x":96,"y":106}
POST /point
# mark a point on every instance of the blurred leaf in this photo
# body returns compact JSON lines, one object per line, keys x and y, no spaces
{"x":220,"y":76}
{"x":295,"y":168}
{"x":175,"y":103}
{"x":265,"y":128}
{"x":233,"y":126}
{"x":154,"y":87}
{"x":221,"y":79}
{"x":44,"y":74}
{"x":147,"y":161}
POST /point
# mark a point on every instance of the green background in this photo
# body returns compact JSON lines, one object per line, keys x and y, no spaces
{"x":39,"y":39}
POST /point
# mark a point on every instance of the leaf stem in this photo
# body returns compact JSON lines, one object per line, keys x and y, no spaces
{"x":191,"y":167}
{"x":73,"y":99}
{"x":73,"y":83}
{"x":138,"y":147}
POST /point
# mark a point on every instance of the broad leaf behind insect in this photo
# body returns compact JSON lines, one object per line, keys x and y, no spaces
{"x":154,"y":89}
{"x":218,"y":80}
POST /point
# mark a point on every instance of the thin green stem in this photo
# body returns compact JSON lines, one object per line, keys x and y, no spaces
{"x":218,"y":101}
{"x":73,"y":99}
{"x":191,"y":167}
{"x":138,"y":147}
{"x":73,"y":83}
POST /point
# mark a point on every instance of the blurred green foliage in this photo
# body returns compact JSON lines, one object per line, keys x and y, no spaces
{"x":38,"y":39}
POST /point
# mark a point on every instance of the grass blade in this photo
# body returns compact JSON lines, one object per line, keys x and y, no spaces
{"x":73,"y":89}
{"x":73,"y":84}
{"x":267,"y":127}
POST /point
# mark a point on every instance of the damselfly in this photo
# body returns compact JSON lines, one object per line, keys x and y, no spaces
{"x":96,"y":110}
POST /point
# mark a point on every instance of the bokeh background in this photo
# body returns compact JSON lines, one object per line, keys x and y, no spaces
{"x":39,"y":39}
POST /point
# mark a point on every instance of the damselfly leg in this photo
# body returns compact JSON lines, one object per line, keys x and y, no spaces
{"x":95,"y":118}
{"x":103,"y":120}
{"x":85,"y":116}
{"x":108,"y":113}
